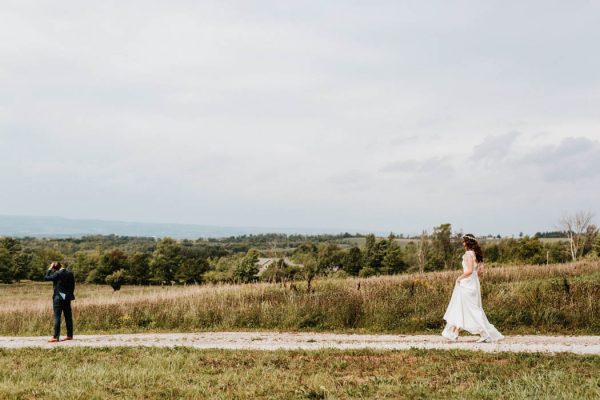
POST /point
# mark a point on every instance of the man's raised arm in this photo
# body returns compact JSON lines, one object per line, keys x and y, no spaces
{"x":51,"y":274}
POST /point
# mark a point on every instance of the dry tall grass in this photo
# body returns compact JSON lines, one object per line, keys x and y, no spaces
{"x":526,"y":299}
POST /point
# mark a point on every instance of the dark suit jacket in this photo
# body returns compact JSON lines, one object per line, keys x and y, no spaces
{"x":63,"y":282}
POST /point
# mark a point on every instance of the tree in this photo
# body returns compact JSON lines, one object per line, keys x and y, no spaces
{"x":596,"y":246}
{"x":6,"y":266}
{"x":310,"y":268}
{"x":575,"y":227}
{"x":307,"y":248}
{"x":423,"y":250}
{"x":165,"y":261}
{"x":352,"y":261}
{"x":221,"y":269}
{"x":116,"y":279}
{"x":492,"y":252}
{"x":139,"y":268}
{"x":22,"y":265}
{"x":393,"y":261}
{"x":329,"y":257}
{"x":246,"y":270}
{"x":41,"y":259}
{"x":276,"y":272}
{"x":16,"y":263}
{"x":191,"y":270}
{"x":84,"y":263}
{"x":556,"y":252}
{"x":109,"y":263}
{"x":442,"y":249}
{"x":530,"y":251}
{"x":374,"y":252}
{"x":281,"y":271}
{"x":591,"y":236}
{"x":369,"y":251}
{"x":367,"y":272}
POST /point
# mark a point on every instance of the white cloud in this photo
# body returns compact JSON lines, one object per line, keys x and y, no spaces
{"x":436,"y":167}
{"x":495,"y":148}
{"x":573,"y":159}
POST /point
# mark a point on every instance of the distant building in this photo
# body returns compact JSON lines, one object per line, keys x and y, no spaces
{"x":266,"y":262}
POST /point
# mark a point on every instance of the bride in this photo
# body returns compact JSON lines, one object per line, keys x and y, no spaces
{"x":465,"y":311}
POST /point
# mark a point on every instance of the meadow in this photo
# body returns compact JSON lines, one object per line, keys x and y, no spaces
{"x":154,"y":373}
{"x":547,"y":299}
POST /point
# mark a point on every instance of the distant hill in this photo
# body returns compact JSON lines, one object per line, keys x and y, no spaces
{"x":21,"y":226}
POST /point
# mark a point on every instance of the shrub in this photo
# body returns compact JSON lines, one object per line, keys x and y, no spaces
{"x":366,"y":272}
{"x":116,"y":279}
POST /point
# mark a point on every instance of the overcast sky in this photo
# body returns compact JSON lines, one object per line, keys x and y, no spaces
{"x":369,"y":115}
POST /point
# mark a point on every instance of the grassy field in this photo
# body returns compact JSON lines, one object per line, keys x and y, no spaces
{"x":560,"y":299}
{"x":152,"y":373}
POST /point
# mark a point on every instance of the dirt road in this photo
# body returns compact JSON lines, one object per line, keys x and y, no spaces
{"x":313,"y":341}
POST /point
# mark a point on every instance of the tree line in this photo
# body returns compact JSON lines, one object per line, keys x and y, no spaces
{"x":117,"y":260}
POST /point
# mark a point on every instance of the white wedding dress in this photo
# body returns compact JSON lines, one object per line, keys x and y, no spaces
{"x":465,"y":310}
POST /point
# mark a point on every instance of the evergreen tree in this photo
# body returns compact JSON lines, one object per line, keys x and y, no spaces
{"x":393,"y":261}
{"x":352,"y":261}
{"x":369,"y":251}
{"x":442,"y":248}
{"x":374,"y":252}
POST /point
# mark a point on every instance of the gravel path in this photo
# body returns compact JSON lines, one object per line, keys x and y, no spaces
{"x":314,"y":341}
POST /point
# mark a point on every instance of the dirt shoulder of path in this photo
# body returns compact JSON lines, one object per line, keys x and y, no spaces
{"x":315,"y":341}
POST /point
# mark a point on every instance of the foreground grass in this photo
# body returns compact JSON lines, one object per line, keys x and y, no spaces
{"x":555,"y":299}
{"x":152,"y":373}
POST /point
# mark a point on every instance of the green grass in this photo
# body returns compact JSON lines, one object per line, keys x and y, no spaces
{"x":153,"y":373}
{"x":555,"y":299}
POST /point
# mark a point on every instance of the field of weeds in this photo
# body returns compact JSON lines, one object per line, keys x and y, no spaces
{"x":554,"y":299}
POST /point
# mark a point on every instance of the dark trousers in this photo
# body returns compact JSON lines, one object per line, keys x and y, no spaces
{"x":62,"y":307}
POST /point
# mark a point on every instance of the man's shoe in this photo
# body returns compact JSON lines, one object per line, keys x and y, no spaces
{"x":68,"y":338}
{"x":53,"y":340}
{"x":485,"y":339}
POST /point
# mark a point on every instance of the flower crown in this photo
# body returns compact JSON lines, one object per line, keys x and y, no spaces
{"x":470,"y":237}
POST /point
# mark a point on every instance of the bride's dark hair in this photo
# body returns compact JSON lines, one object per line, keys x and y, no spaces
{"x":471,"y":244}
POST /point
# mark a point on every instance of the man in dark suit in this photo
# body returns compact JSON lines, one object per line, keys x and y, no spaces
{"x":63,"y":282}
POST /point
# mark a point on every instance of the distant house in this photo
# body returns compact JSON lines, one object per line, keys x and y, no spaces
{"x":266,"y":262}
